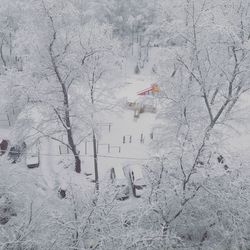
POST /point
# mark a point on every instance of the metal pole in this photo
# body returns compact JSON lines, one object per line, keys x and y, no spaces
{"x":95,"y":162}
{"x":86,"y":147}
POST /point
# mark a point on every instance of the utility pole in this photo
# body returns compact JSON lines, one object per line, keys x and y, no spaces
{"x":94,"y":139}
{"x":95,"y":162}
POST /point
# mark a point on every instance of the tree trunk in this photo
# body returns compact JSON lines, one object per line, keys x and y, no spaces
{"x":66,"y":122}
{"x":94,"y":137}
{"x":77,"y":164}
{"x":95,"y":162}
{"x":72,"y":144}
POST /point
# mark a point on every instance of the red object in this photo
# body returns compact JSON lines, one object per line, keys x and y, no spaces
{"x":153,"y":89}
{"x":145,"y":91}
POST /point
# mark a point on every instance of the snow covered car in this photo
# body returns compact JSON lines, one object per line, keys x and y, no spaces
{"x":120,"y":182}
{"x":133,"y":174}
{"x":139,"y":179}
{"x":3,"y":146}
{"x":33,"y":157}
{"x":128,"y":181}
{"x":16,"y":151}
{"x":122,"y":189}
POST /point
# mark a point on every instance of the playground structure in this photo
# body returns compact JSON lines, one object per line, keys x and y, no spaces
{"x":143,"y":107}
{"x":152,"y":90}
{"x":145,"y":102}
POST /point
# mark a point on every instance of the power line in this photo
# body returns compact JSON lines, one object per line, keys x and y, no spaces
{"x":81,"y":155}
{"x":122,"y":158}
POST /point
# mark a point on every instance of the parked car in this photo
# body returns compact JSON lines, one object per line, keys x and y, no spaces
{"x":3,"y":146}
{"x":135,"y":178}
{"x":16,"y":151}
{"x":33,"y":156}
{"x":129,"y":181}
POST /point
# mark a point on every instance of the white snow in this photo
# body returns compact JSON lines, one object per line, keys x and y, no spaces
{"x":48,"y":161}
{"x":32,"y":160}
{"x":113,"y":151}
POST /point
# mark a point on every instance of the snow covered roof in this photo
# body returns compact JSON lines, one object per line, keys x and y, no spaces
{"x":31,"y":160}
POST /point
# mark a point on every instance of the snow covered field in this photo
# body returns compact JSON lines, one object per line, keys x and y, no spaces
{"x":124,"y":140}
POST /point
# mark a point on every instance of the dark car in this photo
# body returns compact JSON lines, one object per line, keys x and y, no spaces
{"x":3,"y":146}
{"x":16,"y":151}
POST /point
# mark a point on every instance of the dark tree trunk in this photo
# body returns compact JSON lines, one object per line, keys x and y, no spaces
{"x":66,"y":122}
{"x":77,"y":164}
{"x":95,"y":162}
{"x":94,"y":136}
{"x":71,"y":139}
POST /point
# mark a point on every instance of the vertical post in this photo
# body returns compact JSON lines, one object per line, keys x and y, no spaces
{"x":130,"y":138}
{"x":109,"y":127}
{"x":60,"y":151}
{"x":10,"y":46}
{"x":124,"y":140}
{"x":119,"y":149}
{"x":141,"y":140}
{"x":132,"y":47}
{"x":151,"y":135}
{"x":95,"y":162}
{"x":132,"y":179}
{"x":140,"y":51}
{"x":147,"y":50}
{"x":112,"y":175}
{"x":108,"y":148}
{"x":86,"y":147}
{"x":8,"y":119}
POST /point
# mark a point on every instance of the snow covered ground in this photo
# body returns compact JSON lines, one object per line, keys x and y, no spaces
{"x":125,"y":142}
{"x":114,"y":153}
{"x":113,"y":150}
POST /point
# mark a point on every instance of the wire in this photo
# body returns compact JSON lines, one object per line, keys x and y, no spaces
{"x":80,"y":155}
{"x":122,"y":158}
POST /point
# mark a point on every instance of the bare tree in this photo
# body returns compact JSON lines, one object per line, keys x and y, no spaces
{"x":99,"y":64}
{"x":197,"y":103}
{"x":64,"y":115}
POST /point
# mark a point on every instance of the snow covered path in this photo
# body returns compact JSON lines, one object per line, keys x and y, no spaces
{"x":48,"y":162}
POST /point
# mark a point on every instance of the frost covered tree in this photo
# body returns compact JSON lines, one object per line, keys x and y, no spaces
{"x":49,"y":71}
{"x":10,"y":60}
{"x":8,"y":26}
{"x":100,"y":64}
{"x":51,"y":63}
{"x":203,"y":79}
{"x":197,"y":194}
